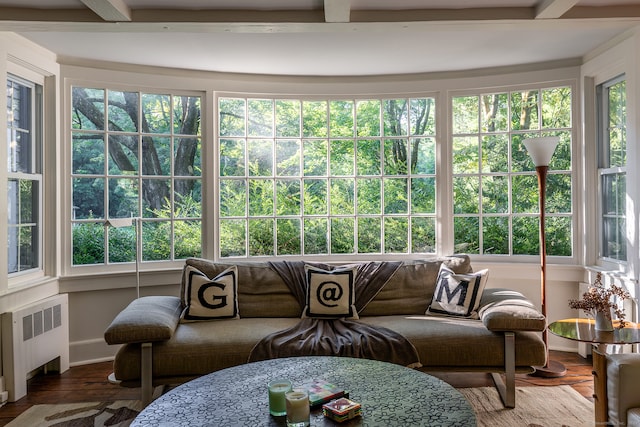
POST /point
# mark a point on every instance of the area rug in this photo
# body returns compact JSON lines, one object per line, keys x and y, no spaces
{"x":552,"y":406}
{"x":97,"y":414}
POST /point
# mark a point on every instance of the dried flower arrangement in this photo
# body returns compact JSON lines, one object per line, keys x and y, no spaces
{"x":598,"y":299}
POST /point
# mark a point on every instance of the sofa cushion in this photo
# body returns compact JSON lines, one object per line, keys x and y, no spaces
{"x":410,"y":289}
{"x":508,"y":310}
{"x":457,"y":294}
{"x":206,"y":298}
{"x":330,"y":294}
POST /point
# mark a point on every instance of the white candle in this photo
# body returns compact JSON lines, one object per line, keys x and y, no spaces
{"x":297,"y":408}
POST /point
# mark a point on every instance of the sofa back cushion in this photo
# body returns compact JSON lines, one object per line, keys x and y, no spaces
{"x":411,"y":288}
{"x":261,"y":291}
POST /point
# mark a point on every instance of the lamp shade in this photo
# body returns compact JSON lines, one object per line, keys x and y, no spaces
{"x":541,"y":149}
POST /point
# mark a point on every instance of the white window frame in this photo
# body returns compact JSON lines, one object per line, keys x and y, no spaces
{"x":603,"y":166}
{"x":37,"y":84}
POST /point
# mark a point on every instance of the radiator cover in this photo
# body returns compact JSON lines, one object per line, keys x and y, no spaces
{"x":33,"y":336}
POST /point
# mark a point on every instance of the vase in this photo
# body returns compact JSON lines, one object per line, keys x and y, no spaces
{"x":603,"y":322}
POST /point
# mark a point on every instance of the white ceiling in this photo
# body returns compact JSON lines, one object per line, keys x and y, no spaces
{"x":321,"y":37}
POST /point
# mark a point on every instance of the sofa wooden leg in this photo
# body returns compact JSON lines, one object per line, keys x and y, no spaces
{"x":507,"y":387}
{"x":146,"y":373}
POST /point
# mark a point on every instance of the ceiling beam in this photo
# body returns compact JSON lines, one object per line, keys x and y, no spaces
{"x":110,"y":10}
{"x":553,"y":9}
{"x":337,"y":10}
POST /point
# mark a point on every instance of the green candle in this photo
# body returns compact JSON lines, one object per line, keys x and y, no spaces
{"x":277,"y":402}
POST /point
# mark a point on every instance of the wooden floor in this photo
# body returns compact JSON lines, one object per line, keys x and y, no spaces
{"x":88,"y":383}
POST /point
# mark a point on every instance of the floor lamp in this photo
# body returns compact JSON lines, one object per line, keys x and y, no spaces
{"x":127,"y":222}
{"x":541,"y":150}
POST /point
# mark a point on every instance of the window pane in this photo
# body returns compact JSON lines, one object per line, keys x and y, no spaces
{"x":466,"y":155}
{"x":369,"y":196}
{"x":423,"y":235}
{"x":288,"y":157}
{"x":287,"y":118}
{"x":232,"y":238}
{"x":315,"y":236}
{"x":466,"y":235}
{"x":395,"y":195}
{"x":368,"y":117}
{"x":423,"y":195}
{"x":396,"y":235}
{"x":123,"y":198}
{"x":556,"y":108}
{"x":315,"y":197}
{"x":526,"y":235}
{"x":123,"y":154}
{"x":525,"y":194}
{"x":369,"y":231}
{"x":314,"y":119}
{"x":423,"y":159}
{"x":558,"y":236}
{"x":495,"y":232}
{"x":232,"y":117}
{"x":466,"y":195}
{"x":342,"y":196}
{"x":617,"y":124}
{"x":396,"y":120}
{"x":29,"y":191}
{"x":342,"y":158}
{"x":395,"y":157}
{"x":423,"y":116}
{"x":156,"y":240}
{"x":495,"y":153}
{"x":315,"y":158}
{"x":187,"y":198}
{"x":122,"y":244}
{"x":123,"y":111}
{"x":465,"y":114}
{"x":186,"y":115}
{"x":495,"y":112}
{"x":287,"y":197}
{"x":186,"y":157}
{"x":260,"y":121}
{"x":87,"y":112}
{"x":288,"y":236}
{"x":341,"y":119}
{"x":260,"y":157}
{"x":156,"y":111}
{"x":232,"y":197}
{"x":88,"y":198}
{"x":368,"y":159}
{"x":88,"y":243}
{"x":187,"y":240}
{"x":261,"y":237}
{"x":88,"y":154}
{"x":158,"y":203}
{"x":231,"y":157}
{"x":524,"y":110}
{"x":260,"y":197}
{"x":342,"y":236}
{"x":495,"y":194}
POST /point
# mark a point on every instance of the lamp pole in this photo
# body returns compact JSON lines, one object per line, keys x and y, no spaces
{"x":541,"y":150}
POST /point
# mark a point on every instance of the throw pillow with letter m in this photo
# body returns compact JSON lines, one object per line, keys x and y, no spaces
{"x":457,"y":294}
{"x":207,"y":298}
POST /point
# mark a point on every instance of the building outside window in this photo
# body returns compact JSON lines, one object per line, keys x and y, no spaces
{"x":495,"y":190}
{"x":24,"y":167}
{"x":612,"y":162}
{"x":135,"y":154}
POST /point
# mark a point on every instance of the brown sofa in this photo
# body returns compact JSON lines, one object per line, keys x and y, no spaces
{"x":159,"y":349}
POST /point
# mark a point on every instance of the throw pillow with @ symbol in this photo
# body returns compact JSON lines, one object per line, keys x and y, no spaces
{"x":330,"y":294}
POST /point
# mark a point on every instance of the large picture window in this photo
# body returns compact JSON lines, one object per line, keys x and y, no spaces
{"x":24,"y":187}
{"x":136,"y":155}
{"x":612,"y":161}
{"x":329,"y":176}
{"x":495,"y":190}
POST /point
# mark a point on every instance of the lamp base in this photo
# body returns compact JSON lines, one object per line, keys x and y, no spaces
{"x":552,"y":369}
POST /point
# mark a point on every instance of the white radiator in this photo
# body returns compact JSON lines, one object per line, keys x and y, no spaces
{"x":33,"y":336}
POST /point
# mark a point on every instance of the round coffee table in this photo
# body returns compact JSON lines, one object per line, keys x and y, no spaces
{"x":390,"y":395}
